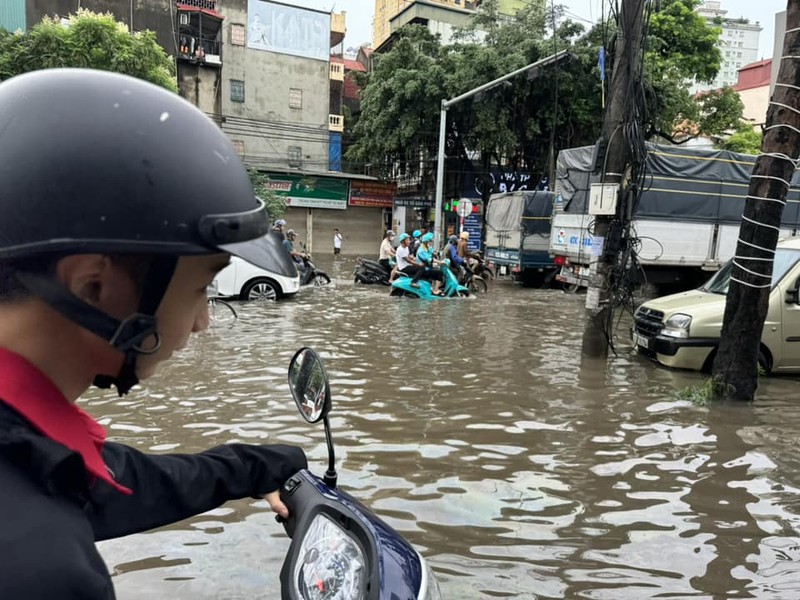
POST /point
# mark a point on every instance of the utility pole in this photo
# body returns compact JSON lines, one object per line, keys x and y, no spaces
{"x":613,"y":156}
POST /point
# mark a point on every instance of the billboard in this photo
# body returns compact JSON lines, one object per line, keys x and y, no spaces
{"x":288,"y":30}
{"x":310,"y":191}
{"x":372,"y":193}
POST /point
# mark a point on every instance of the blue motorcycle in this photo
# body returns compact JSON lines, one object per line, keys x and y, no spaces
{"x":340,"y":549}
{"x":451,"y":289}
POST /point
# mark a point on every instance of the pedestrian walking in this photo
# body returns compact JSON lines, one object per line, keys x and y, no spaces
{"x":337,"y":241}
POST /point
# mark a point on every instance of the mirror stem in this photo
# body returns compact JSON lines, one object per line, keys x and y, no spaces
{"x":330,"y":475}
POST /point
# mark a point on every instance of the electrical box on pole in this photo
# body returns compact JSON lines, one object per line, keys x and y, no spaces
{"x":603,"y":198}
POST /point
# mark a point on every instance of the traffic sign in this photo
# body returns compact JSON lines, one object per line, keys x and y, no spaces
{"x":464,"y":207}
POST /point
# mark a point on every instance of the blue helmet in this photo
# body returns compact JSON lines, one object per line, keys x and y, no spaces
{"x":416,"y":233}
{"x":453,"y":239}
{"x":402,"y":237}
{"x":428,"y":237}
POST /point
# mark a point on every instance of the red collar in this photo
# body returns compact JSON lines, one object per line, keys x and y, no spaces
{"x":28,"y":391}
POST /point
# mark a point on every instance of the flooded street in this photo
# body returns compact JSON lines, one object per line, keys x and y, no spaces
{"x":474,"y":428}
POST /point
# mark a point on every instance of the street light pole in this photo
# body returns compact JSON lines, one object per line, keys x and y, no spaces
{"x":446,"y":104}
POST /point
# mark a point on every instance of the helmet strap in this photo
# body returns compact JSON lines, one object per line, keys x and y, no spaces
{"x":126,"y":336}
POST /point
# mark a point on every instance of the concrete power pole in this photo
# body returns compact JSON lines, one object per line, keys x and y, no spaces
{"x":613,"y":155}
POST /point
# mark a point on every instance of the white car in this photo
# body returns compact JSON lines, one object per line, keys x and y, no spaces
{"x":246,"y":281}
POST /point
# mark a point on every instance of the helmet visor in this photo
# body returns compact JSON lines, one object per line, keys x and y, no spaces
{"x":266,"y":252}
{"x":247,"y":236}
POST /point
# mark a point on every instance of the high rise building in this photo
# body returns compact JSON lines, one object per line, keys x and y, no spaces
{"x":738,"y":43}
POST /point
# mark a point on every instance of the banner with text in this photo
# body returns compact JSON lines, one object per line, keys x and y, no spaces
{"x":372,"y":193}
{"x":310,"y":191}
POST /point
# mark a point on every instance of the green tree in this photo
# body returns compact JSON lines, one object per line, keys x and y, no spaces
{"x":746,"y":140}
{"x":681,"y":48}
{"x":276,"y":204}
{"x":89,"y":40}
{"x":522,"y":124}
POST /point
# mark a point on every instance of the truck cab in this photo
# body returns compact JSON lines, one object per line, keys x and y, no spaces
{"x":683,"y":330}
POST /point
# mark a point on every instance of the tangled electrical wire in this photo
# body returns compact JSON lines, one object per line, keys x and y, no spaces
{"x":622,"y":245}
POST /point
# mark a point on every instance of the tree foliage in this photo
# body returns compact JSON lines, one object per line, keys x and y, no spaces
{"x":561,"y":106}
{"x":89,"y":40}
{"x":276,"y":204}
{"x":746,"y":140}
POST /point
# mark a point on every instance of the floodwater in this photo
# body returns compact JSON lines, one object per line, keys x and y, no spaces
{"x":474,"y":428}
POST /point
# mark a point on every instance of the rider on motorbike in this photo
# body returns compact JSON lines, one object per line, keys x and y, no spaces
{"x":288,"y":243}
{"x":104,"y":290}
{"x":386,"y":252}
{"x":456,"y":262}
{"x":406,"y":263}
{"x":429,"y":272}
{"x":414,"y":246}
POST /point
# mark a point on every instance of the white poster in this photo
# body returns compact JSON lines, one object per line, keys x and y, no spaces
{"x":288,"y":30}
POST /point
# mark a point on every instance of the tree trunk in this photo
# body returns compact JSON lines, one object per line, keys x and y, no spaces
{"x":735,"y":372}
{"x":627,"y":62}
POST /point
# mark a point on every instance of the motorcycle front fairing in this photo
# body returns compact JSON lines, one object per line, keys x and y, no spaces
{"x":340,"y":550}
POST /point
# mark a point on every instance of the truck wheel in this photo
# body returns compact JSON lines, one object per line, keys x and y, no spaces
{"x":570,"y":288}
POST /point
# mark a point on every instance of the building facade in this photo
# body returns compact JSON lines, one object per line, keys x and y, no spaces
{"x":738,"y":43}
{"x":753,"y":87}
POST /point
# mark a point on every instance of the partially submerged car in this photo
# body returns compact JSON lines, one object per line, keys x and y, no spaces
{"x":245,"y":281}
{"x":683,"y":330}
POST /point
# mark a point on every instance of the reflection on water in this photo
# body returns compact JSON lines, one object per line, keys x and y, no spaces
{"x":475,"y":429}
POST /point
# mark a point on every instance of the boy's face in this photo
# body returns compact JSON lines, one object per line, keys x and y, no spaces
{"x":184,"y":308}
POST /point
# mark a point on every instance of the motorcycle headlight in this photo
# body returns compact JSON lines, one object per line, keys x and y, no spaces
{"x":331,"y":563}
{"x":429,"y":589}
{"x":677,"y":326}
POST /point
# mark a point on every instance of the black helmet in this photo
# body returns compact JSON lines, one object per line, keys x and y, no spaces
{"x":93,"y":161}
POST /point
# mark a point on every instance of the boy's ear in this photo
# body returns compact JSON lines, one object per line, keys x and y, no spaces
{"x":85,"y":275}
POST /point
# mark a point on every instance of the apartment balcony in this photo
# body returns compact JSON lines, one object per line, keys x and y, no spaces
{"x":336,"y":123}
{"x":336,"y":71}
{"x":338,"y":28}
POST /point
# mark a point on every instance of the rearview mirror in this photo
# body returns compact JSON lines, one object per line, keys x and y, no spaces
{"x":309,"y":384}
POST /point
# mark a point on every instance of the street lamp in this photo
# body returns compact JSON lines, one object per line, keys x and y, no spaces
{"x":446,"y":104}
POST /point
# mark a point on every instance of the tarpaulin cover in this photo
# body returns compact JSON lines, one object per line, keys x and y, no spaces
{"x":681,"y":183}
{"x":529,"y":211}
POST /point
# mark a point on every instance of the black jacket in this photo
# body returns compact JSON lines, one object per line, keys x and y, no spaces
{"x":51,"y":516}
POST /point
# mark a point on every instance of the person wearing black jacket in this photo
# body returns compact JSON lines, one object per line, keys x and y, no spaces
{"x":106,"y":250}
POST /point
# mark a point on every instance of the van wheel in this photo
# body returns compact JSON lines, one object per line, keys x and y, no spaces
{"x":764,"y":364}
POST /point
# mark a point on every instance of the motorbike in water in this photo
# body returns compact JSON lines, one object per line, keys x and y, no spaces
{"x":340,"y":549}
{"x":451,"y":289}
{"x":370,"y":271}
{"x":309,"y":274}
{"x":480,"y":268}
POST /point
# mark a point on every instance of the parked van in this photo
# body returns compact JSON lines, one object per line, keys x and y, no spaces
{"x":682,"y":330}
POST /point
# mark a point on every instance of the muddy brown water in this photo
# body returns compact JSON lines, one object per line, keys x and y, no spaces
{"x":475,"y":429}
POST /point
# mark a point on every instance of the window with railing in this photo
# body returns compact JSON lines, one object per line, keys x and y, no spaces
{"x":199,"y":32}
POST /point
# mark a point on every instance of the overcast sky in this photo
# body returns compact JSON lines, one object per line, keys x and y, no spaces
{"x":360,"y":13}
